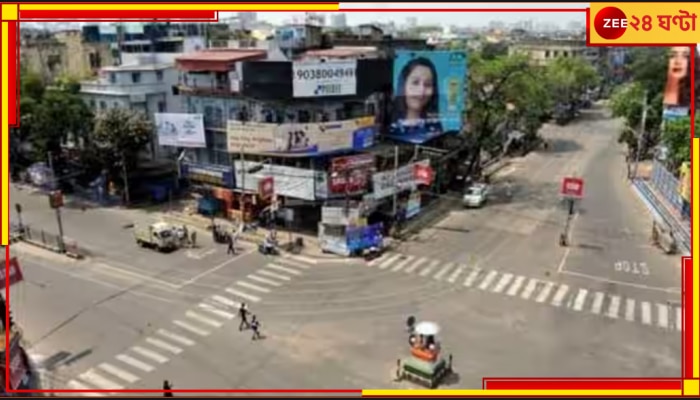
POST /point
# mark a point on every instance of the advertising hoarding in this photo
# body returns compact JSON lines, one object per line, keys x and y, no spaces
{"x":297,"y":183}
{"x":328,"y":78}
{"x":350,"y":174}
{"x":387,"y":183}
{"x":215,"y":175}
{"x":296,"y":138}
{"x":429,"y":94}
{"x":180,"y":130}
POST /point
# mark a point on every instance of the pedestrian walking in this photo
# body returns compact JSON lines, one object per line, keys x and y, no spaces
{"x":231,"y":245}
{"x":166,"y":389}
{"x":194,"y":239}
{"x":255,"y":326}
{"x":243,"y":315}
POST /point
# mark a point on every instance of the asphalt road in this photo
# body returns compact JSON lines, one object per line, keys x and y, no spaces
{"x":509,"y":299}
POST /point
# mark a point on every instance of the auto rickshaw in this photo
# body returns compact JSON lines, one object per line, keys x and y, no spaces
{"x":425,"y":365}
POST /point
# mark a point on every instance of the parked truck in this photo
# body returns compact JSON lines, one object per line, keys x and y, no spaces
{"x":159,"y":236}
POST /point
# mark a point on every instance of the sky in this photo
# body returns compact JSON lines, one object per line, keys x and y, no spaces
{"x":451,"y":18}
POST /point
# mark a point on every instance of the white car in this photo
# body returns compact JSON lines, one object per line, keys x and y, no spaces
{"x":475,"y":195}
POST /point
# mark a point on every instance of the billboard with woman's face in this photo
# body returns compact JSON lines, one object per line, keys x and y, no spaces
{"x":429,"y":94}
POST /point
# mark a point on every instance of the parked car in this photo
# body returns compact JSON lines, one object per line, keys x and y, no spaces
{"x":475,"y":195}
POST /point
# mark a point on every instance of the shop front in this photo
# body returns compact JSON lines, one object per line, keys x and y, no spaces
{"x":344,"y":229}
{"x":213,"y":184}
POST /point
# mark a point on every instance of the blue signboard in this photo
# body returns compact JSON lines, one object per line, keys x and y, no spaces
{"x":364,"y":237}
{"x":214,"y":175}
{"x":429,"y":94}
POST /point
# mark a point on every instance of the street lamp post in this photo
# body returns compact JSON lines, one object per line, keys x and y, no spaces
{"x":641,"y":134}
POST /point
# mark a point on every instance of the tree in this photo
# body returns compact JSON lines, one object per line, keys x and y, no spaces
{"x":570,"y":77}
{"x":648,"y":66}
{"x":627,"y":102}
{"x":119,"y":136}
{"x":676,"y":137}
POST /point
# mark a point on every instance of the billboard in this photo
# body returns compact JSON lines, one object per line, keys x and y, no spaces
{"x":678,"y":83}
{"x":329,"y":78}
{"x":429,"y":94}
{"x":180,"y":130}
{"x":298,"y":138}
{"x":350,"y":174}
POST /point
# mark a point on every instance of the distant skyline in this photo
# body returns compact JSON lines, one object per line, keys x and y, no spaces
{"x":476,"y":19}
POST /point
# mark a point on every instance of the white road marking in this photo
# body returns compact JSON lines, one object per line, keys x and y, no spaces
{"x":415,"y":265}
{"x":253,"y":287}
{"x":95,"y":379}
{"x":216,"y":311}
{"x":198,"y":317}
{"x":274,"y":275}
{"x":378,"y":260}
{"x":542,"y":296}
{"x":244,"y":295}
{"x":75,"y":385}
{"x":488,"y":279}
{"x":443,"y":271}
{"x":471,"y":278}
{"x":580,"y":299}
{"x":453,"y":277}
{"x":614,"y":307}
{"x":191,"y":328}
{"x":646,"y":313}
{"x":225,"y":301}
{"x":283,"y":269}
{"x":175,"y":337}
{"x":303,"y":259}
{"x":663,"y":315}
{"x":559,"y":295}
{"x":150,"y":354}
{"x":513,"y":289}
{"x":403,"y":263}
{"x":138,"y":364}
{"x":505,"y":280}
{"x":529,"y":289}
{"x":629,"y":310}
{"x":622,"y":283}
{"x":118,"y":372}
{"x":598,"y":299}
{"x":429,"y":268}
{"x":294,"y":263}
{"x":679,"y":319}
{"x":263,"y":280}
{"x":164,"y":345}
{"x":386,"y":263}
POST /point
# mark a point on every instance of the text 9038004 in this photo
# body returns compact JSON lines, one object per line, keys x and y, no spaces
{"x":325,"y":73}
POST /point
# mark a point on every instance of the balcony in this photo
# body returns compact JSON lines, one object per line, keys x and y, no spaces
{"x":224,"y":87}
{"x":116,"y":89}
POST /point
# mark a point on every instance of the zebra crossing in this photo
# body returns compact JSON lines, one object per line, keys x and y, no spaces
{"x":197,"y":323}
{"x":610,"y":306}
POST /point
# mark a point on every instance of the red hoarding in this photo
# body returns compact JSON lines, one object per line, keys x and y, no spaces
{"x":350,"y":174}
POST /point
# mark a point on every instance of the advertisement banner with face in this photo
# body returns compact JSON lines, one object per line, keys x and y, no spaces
{"x":429,"y":94}
{"x":350,"y":174}
{"x":310,"y":138}
{"x":320,"y":79}
{"x":677,"y":91}
{"x":180,"y":130}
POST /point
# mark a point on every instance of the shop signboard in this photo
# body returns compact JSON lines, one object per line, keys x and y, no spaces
{"x":324,"y":78}
{"x":209,"y":174}
{"x":266,"y":187}
{"x":364,"y":237}
{"x":301,"y":138}
{"x":384,"y":184}
{"x":180,"y":130}
{"x":429,"y":94}
{"x":296,"y":183}
{"x":13,"y":270}
{"x":350,"y":174}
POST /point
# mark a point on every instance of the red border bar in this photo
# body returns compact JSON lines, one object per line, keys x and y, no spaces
{"x":591,"y":384}
{"x":115,"y":14}
{"x":687,"y":317}
{"x":13,"y":59}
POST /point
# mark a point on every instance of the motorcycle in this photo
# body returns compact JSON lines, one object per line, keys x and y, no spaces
{"x":268,"y":249}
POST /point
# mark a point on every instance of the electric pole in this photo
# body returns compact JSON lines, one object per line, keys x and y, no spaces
{"x":641,"y":135}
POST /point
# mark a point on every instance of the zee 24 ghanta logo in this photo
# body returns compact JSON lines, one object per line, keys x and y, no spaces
{"x":611,"y":23}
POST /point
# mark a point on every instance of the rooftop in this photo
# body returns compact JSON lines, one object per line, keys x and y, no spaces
{"x":222,"y":55}
{"x":340,"y":52}
{"x":136,"y":67}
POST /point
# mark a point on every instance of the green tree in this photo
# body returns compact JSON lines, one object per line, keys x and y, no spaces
{"x":570,"y":77}
{"x":119,"y":136}
{"x":648,"y":67}
{"x":627,"y":102}
{"x":676,"y":137}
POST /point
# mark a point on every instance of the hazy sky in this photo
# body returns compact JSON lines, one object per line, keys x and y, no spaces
{"x":449,"y":18}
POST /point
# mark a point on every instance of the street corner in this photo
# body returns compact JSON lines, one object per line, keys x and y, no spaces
{"x":35,"y":252}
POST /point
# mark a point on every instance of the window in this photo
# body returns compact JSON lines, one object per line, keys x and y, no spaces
{"x":112,"y":77}
{"x":546,"y":54}
{"x":556,"y":53}
{"x":92,"y":104}
{"x":103,"y":105}
{"x":136,"y":77}
{"x":115,"y":104}
{"x":159,"y":76}
{"x":566,"y":54}
{"x":161,"y":106}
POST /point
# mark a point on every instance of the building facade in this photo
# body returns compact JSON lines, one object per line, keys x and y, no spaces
{"x":542,"y":52}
